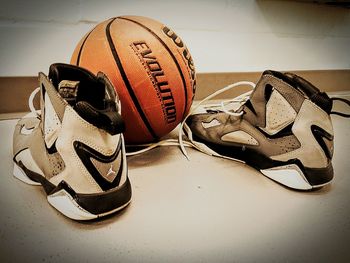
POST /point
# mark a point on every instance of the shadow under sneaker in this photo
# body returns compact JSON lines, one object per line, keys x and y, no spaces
{"x":282,"y":128}
{"x":74,"y":146}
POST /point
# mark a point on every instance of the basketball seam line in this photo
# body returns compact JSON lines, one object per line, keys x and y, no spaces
{"x":126,"y":80}
{"x":82,"y":45}
{"x":171,"y":54}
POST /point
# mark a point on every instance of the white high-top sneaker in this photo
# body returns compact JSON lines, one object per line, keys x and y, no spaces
{"x":283,"y":129}
{"x":74,"y":146}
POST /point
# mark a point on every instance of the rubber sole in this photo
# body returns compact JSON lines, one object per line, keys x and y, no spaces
{"x":74,"y":205}
{"x":19,"y":174}
{"x":288,"y":175}
{"x":291,"y":173}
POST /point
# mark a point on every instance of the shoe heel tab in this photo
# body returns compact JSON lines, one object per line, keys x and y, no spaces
{"x":343,"y":114}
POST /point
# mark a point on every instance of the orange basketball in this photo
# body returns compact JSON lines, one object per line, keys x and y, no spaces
{"x":151,"y":69}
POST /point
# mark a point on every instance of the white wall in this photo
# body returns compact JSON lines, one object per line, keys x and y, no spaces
{"x":222,"y":36}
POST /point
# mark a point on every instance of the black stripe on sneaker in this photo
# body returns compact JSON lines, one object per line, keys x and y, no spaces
{"x":315,"y":176}
{"x":286,"y":131}
{"x":100,"y":203}
{"x":320,"y":134}
{"x":85,"y":154}
{"x":96,"y":204}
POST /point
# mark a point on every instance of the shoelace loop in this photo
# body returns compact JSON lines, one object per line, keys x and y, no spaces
{"x":241,"y":99}
{"x":31,"y":102}
{"x":337,"y":112}
{"x":180,"y":142}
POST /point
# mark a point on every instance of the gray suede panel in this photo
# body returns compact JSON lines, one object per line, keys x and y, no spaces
{"x":257,"y":98}
{"x":22,"y":141}
{"x":250,"y":120}
{"x":291,"y":94}
{"x":266,"y":146}
{"x":213,"y":134}
{"x":50,"y":164}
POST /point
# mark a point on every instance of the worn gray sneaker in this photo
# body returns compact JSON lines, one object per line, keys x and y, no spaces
{"x":74,"y":146}
{"x":283,"y":129}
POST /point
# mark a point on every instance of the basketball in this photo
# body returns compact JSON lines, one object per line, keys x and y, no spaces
{"x":151,"y":69}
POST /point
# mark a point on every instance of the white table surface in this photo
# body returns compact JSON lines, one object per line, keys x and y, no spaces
{"x":203,"y":210}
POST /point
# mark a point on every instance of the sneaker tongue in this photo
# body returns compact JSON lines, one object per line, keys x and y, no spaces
{"x":68,"y":89}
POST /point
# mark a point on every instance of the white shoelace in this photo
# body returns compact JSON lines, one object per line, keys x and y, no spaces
{"x":150,"y":146}
{"x":180,"y":142}
{"x":240,"y":100}
{"x":31,"y":101}
{"x":201,"y":147}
